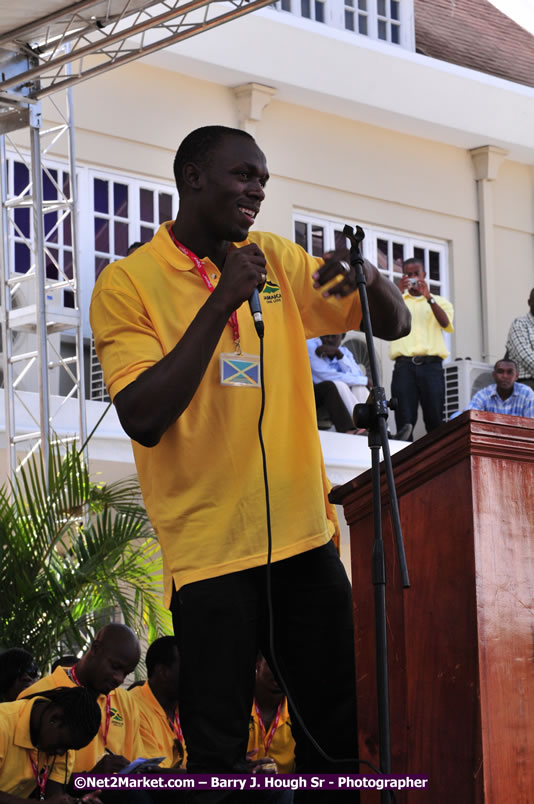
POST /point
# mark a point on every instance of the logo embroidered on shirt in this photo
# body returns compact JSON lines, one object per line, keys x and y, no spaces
{"x":116,"y":717}
{"x":271,"y":292}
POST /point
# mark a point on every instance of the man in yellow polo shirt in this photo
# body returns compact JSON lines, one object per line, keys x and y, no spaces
{"x":270,"y":734}
{"x":157,"y":702}
{"x":37,"y":742}
{"x":113,"y":654}
{"x":418,"y":373}
{"x":181,"y":359}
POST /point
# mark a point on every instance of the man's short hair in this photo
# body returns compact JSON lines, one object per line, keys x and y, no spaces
{"x":414,"y":261}
{"x":505,"y":360}
{"x":81,"y":713}
{"x":161,"y":651}
{"x":14,"y":662}
{"x":199,"y":144}
{"x":64,"y":661}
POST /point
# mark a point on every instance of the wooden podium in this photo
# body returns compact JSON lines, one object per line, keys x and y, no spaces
{"x":461,"y":639}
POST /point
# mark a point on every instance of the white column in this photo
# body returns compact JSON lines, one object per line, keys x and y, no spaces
{"x":486,"y":162}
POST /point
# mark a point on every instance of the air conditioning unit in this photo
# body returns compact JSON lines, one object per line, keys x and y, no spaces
{"x":463,"y":378}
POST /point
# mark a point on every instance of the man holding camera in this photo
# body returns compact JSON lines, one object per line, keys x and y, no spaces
{"x":418,"y":373}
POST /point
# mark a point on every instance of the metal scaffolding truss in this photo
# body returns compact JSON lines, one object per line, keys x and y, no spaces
{"x":41,"y":305}
{"x":103,"y":35}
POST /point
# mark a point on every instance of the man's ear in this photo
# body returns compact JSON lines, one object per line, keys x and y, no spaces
{"x":192,"y":175}
{"x":95,"y":648}
{"x":56,"y":716}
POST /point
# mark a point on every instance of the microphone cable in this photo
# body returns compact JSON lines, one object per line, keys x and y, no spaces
{"x":270,"y":613}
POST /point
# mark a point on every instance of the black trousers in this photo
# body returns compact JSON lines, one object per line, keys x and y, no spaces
{"x":221,"y":623}
{"x":327,"y":396}
{"x":413,"y":384}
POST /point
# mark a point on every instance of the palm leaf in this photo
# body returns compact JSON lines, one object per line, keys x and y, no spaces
{"x":72,"y":553}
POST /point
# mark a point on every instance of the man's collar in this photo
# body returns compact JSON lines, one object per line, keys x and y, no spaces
{"x":163,"y":244}
{"x":411,"y":296}
{"x":22,"y":736}
{"x":495,"y":392}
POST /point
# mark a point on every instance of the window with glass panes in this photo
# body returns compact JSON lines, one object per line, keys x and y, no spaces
{"x":386,"y":20}
{"x":115,"y":210}
{"x":155,"y":207}
{"x":111,"y":221}
{"x":385,"y":249}
{"x":313,"y":10}
{"x":57,"y":223}
{"x":125,"y":211}
{"x":363,"y":18}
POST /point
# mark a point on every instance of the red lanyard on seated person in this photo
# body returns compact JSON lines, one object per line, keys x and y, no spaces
{"x":207,"y":281}
{"x":267,"y":740}
{"x":41,"y":779}
{"x":105,"y":729}
{"x":175,"y":726}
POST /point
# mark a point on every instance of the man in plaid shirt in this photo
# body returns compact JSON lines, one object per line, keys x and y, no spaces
{"x":520,"y":344}
{"x":506,"y":395}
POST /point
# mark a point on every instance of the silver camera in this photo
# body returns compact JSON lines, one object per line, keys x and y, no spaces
{"x":412,"y":281}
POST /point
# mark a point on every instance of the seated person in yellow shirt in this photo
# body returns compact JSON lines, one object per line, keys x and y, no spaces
{"x":157,"y":701}
{"x":36,"y":735}
{"x":270,"y":727}
{"x":113,"y":654}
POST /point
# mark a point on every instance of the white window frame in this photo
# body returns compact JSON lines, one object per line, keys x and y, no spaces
{"x":334,"y":16}
{"x":85,"y":174}
{"x":135,"y":184}
{"x":369,"y":245}
{"x":13,"y":237}
{"x":370,"y":251}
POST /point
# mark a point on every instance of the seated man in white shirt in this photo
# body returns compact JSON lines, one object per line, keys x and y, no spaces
{"x":332,"y":362}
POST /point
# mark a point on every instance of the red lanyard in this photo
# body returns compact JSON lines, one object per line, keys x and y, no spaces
{"x":268,"y":738}
{"x":175,"y":726}
{"x":41,"y":780}
{"x":105,"y":730}
{"x":207,"y":281}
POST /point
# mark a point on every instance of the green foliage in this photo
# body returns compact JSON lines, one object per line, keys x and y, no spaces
{"x":71,"y":552}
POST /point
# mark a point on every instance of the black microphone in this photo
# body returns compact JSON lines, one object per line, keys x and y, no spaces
{"x":255,"y":309}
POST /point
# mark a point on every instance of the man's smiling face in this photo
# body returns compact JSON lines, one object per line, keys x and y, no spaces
{"x":231,"y":188}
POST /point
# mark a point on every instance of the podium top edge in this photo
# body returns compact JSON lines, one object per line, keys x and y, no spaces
{"x":472,"y":433}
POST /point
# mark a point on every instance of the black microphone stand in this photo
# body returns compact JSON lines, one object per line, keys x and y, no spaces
{"x":373,"y":415}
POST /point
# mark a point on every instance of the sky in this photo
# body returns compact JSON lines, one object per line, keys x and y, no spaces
{"x":522,"y":11}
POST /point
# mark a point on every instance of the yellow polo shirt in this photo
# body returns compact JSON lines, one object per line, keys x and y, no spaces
{"x":282,"y":747}
{"x":426,"y":335}
{"x":203,"y":483}
{"x":123,"y":735}
{"x":17,"y":751}
{"x":154,"y":727}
